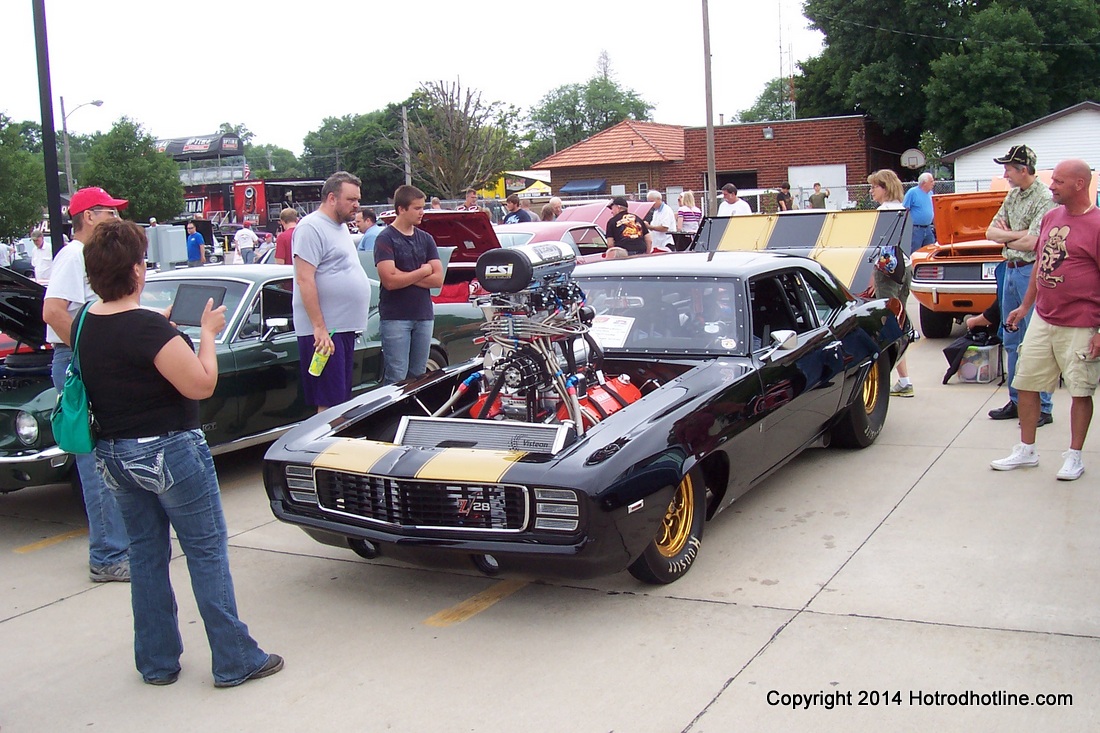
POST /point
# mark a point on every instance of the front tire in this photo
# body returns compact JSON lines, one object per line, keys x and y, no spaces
{"x":670,"y":555}
{"x":437,"y":359}
{"x":864,"y":418}
{"x":935,"y":325}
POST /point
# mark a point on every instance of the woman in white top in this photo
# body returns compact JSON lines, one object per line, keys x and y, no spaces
{"x":688,"y":216}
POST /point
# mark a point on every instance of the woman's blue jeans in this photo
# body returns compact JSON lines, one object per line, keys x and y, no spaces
{"x":165,"y":481}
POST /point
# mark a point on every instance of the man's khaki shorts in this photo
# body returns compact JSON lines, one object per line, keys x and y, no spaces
{"x":1048,"y":351}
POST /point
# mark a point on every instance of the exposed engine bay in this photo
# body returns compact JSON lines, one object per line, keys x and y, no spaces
{"x":540,"y":362}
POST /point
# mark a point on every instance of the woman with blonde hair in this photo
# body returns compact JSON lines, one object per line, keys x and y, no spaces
{"x":688,"y":216}
{"x":893,"y":272}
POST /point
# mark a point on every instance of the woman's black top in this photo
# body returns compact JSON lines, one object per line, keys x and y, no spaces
{"x":130,"y":398}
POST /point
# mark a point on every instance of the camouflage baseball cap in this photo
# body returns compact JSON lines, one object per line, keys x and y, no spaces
{"x":1019,"y":154}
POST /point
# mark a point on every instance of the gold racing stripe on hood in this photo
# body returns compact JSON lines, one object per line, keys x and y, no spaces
{"x":474,"y":466}
{"x":357,"y":456}
{"x":844,"y":244}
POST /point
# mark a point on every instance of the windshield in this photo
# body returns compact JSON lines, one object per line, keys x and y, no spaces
{"x":666,"y":315}
{"x":514,"y":239}
{"x":159,"y":294}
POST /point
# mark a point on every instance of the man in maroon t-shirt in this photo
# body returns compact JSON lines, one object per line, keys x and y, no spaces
{"x":1062,"y":338}
{"x":284,"y":255}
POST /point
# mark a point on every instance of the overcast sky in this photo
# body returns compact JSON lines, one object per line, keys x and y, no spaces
{"x":182,"y":68}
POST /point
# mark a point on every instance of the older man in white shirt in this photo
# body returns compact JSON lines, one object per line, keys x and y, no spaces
{"x":662,"y":222}
{"x":732,"y":205}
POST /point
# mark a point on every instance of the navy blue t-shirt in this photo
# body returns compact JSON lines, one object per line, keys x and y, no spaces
{"x":409,"y":253}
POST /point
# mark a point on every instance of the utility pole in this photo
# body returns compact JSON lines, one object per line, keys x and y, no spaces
{"x":49,"y":137}
{"x":405,"y":145}
{"x":712,"y":176}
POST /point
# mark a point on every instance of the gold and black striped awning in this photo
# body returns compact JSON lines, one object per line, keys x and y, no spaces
{"x":843,"y":241}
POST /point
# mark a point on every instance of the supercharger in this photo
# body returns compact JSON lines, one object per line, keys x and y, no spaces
{"x":541,"y":364}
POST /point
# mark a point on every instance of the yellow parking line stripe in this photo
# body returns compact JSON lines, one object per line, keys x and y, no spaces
{"x":56,"y":539}
{"x":476,"y":604}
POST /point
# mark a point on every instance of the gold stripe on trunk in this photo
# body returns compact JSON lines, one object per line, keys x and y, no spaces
{"x":844,"y":242}
{"x":747,"y":233}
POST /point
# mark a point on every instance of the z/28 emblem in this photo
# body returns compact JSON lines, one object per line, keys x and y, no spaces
{"x":466,"y":507}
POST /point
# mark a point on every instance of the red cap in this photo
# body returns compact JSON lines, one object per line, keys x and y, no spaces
{"x":87,"y":198}
{"x":248,"y":224}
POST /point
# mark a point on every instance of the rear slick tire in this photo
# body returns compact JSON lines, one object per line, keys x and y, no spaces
{"x":863,"y":421}
{"x":670,"y":555}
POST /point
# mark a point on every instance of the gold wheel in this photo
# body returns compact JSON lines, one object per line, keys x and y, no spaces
{"x":870,"y":390}
{"x":676,"y":526}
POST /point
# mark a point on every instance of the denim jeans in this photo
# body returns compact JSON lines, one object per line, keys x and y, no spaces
{"x":1012,"y":294}
{"x":405,"y":347}
{"x":248,"y":255}
{"x":170,"y":480}
{"x":107,"y":540}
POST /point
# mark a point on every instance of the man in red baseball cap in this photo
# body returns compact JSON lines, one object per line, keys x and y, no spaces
{"x":66,"y":293}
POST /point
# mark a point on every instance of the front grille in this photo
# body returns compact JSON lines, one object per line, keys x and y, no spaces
{"x":424,"y":504}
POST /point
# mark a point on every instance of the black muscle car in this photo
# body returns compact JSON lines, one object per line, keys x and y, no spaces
{"x":615,"y":409}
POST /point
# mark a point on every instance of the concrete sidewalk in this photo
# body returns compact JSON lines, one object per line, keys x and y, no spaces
{"x":908,"y":577}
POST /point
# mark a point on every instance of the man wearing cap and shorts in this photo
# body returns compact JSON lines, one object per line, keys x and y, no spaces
{"x":331,"y":292}
{"x":66,"y":294}
{"x":918,"y":200}
{"x":627,"y":230}
{"x":1064,"y":335}
{"x":1016,"y":226}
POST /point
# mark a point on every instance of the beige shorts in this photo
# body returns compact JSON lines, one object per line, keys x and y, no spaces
{"x":1049,"y":351}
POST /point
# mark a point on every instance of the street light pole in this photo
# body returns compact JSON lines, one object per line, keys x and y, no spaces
{"x":65,"y":138}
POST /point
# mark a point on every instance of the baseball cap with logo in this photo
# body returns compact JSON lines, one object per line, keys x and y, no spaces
{"x":87,"y":198}
{"x":1019,"y":154}
{"x":618,"y":201}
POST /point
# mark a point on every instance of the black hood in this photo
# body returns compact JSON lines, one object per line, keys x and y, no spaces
{"x":21,"y":308}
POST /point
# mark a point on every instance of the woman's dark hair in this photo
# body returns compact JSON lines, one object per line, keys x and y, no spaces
{"x":110,"y":255}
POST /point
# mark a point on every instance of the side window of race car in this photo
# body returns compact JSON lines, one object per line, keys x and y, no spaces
{"x":820,"y":299}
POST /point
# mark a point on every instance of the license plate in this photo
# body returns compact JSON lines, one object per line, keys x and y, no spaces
{"x":988,"y":269}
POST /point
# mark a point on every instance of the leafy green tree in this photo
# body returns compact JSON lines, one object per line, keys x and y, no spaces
{"x":572,"y":112}
{"x":962,"y":69}
{"x":360,"y":144}
{"x":22,"y":183}
{"x":126,"y":163}
{"x":1003,"y":76}
{"x":241,"y":131}
{"x":774,"y":103}
{"x":270,"y":160}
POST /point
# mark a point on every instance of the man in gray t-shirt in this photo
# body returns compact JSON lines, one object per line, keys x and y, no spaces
{"x":331,"y":292}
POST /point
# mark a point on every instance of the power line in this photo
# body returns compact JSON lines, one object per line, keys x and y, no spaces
{"x":1013,"y":41}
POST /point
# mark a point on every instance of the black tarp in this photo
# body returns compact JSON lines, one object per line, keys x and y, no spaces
{"x":202,"y":147}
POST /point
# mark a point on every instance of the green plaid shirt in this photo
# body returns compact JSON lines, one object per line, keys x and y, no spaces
{"x":1024,"y":209}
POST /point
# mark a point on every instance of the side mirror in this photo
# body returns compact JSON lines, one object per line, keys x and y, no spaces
{"x":273,"y":326}
{"x":783,"y":340}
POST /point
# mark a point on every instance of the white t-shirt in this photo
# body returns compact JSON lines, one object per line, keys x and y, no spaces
{"x":343,"y":288}
{"x":738,"y":208}
{"x":42,"y":260}
{"x":68,"y":281}
{"x":245,"y":239}
{"x":664,"y":217}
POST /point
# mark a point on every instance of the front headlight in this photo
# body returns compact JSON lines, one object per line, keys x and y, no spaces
{"x":26,"y":428}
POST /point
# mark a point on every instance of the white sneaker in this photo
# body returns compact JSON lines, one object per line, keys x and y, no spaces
{"x":1073,"y":467}
{"x":1023,"y":456}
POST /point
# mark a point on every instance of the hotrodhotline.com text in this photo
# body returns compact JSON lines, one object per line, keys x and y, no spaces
{"x":858,"y":698}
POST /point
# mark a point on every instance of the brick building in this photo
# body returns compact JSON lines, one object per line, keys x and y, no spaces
{"x":835,"y":151}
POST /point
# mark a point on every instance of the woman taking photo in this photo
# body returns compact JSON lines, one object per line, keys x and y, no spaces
{"x":887,"y":193}
{"x":144,"y":381}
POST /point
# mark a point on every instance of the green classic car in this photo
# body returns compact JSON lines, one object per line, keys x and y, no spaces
{"x":257,"y":398}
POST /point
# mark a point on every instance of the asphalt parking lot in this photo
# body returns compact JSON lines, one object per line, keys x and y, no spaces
{"x":906,"y":587}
